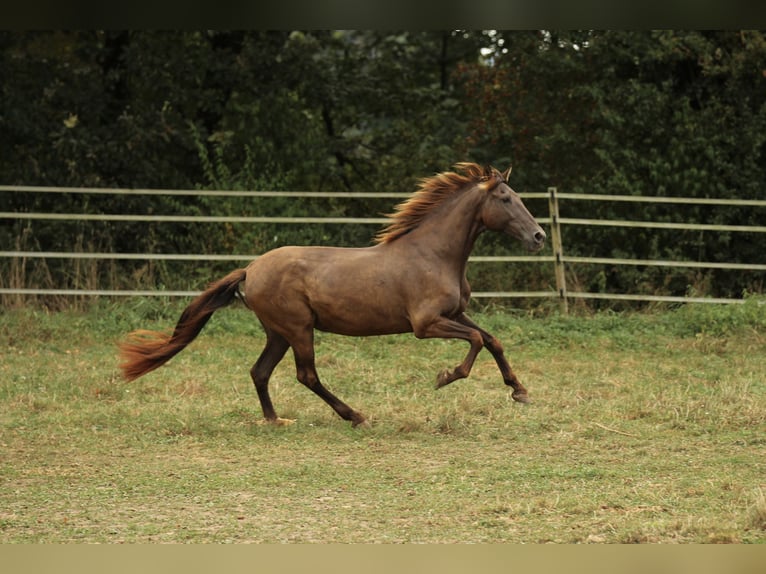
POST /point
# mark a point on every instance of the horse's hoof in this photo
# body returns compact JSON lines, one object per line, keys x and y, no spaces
{"x":521,"y":398}
{"x":361,"y":423}
{"x":277,"y":422}
{"x":443,"y":378}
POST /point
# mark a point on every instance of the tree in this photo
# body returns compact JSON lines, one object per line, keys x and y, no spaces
{"x":637,"y":113}
{"x":613,"y":112}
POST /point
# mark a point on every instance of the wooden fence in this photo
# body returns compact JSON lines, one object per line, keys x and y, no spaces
{"x":558,"y":259}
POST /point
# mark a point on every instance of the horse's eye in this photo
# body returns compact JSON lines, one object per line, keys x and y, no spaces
{"x":506,"y":199}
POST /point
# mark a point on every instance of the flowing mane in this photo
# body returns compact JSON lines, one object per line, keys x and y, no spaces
{"x":432,"y":192}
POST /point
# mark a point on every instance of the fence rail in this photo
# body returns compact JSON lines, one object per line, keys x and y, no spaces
{"x":561,"y":259}
{"x":188,"y":218}
{"x":557,"y":258}
{"x":202,"y":192}
{"x":663,"y":225}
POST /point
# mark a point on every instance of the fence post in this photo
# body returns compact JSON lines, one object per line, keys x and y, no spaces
{"x":558,"y":250}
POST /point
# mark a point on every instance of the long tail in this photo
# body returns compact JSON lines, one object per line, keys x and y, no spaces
{"x":144,"y":350}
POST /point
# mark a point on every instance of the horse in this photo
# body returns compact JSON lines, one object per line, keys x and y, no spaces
{"x":412,"y":279}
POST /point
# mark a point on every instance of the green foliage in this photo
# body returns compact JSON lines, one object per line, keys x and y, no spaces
{"x":634,"y":113}
{"x":721,"y":321}
{"x":614,"y":112}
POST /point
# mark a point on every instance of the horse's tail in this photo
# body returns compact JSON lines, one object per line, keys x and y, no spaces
{"x":144,"y":350}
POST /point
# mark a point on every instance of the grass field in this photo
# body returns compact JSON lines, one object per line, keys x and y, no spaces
{"x":644,"y":428}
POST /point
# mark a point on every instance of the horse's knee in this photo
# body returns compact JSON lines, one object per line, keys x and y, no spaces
{"x":494,"y":344}
{"x":256,"y":377}
{"x":307,"y":377}
{"x":260,"y":379}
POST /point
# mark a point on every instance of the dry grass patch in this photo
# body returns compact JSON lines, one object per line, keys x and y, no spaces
{"x":637,"y":433}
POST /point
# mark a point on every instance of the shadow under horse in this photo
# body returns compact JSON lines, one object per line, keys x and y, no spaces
{"x":412,"y":280}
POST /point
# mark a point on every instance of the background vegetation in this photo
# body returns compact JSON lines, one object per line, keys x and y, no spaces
{"x":638,"y":112}
{"x":643,"y":427}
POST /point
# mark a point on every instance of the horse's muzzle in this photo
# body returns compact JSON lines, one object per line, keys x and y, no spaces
{"x":537,"y":241}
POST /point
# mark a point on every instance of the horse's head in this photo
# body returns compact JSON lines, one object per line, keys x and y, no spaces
{"x":503,"y":210}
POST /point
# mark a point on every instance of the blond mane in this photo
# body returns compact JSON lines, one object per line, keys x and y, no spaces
{"x":432,"y":192}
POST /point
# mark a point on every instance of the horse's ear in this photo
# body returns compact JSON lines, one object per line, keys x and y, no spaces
{"x":488,"y":171}
{"x":507,"y":173}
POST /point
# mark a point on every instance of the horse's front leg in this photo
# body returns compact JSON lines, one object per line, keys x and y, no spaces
{"x":496,"y":348}
{"x":443,"y":328}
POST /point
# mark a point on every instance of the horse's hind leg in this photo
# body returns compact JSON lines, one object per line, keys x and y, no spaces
{"x":275,"y":349}
{"x":307,"y":374}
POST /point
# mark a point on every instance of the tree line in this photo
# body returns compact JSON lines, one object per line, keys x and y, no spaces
{"x":676,"y":113}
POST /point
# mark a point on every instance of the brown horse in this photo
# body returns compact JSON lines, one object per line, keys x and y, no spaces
{"x":412,"y":280}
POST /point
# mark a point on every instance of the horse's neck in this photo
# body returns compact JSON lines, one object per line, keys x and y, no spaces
{"x":450,"y":232}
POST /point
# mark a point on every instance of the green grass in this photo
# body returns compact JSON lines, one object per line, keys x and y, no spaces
{"x":643,"y":428}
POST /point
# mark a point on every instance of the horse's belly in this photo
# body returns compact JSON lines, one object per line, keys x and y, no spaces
{"x":359,"y":316}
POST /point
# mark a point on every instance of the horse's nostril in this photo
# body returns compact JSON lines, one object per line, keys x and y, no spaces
{"x":540,"y":236}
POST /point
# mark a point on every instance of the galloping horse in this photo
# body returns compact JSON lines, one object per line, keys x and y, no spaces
{"x":412,"y":280}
